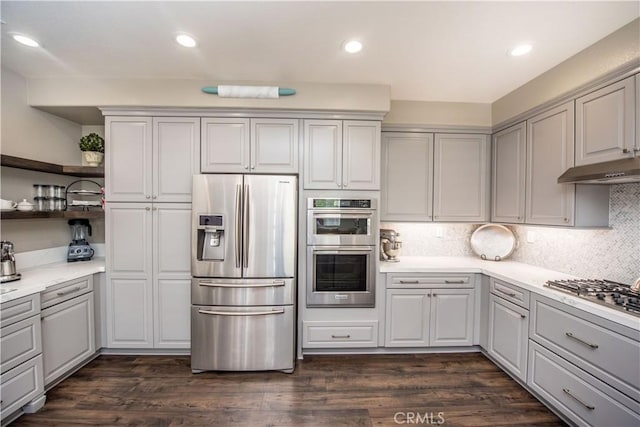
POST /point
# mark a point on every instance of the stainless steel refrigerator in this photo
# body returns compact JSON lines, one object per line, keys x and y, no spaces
{"x":243,"y":263}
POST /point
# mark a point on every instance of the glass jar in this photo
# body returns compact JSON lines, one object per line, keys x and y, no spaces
{"x":39,"y":203}
{"x":49,"y":203}
{"x":39,"y":190}
{"x":50,"y":191}
{"x":60,"y":191}
{"x":59,"y":203}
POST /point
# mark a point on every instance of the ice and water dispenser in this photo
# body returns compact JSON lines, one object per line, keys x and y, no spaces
{"x":211,"y":237}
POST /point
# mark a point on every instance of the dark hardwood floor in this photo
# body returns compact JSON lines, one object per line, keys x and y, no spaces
{"x":381,"y":390}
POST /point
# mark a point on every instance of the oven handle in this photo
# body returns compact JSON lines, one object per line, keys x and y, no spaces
{"x":342,"y":214}
{"x":340,"y":249}
{"x":241,"y":313}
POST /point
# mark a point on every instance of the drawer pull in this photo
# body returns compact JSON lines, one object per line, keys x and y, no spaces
{"x":511,"y":294}
{"x":241,"y":313}
{"x":274,"y":284}
{"x":70,"y":291}
{"x":570,"y":335}
{"x":450,"y":282}
{"x":409,"y":282}
{"x":340,"y":336}
{"x":580,"y":401}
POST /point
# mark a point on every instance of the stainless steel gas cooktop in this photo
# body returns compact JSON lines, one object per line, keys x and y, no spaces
{"x":612,"y":294}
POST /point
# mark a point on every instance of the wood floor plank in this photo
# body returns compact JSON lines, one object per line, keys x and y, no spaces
{"x":323,"y":391}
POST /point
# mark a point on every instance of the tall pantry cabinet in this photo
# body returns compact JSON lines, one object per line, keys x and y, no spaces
{"x":149,"y":168}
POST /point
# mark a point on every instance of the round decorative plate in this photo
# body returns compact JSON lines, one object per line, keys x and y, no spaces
{"x":493,"y":242}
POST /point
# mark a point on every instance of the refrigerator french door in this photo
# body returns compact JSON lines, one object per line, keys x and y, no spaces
{"x":244,"y":233}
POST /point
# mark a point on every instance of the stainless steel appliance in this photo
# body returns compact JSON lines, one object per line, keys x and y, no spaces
{"x":244,"y":272}
{"x":390,"y":245}
{"x":7,"y":262}
{"x":79,"y":248}
{"x":612,"y":294}
{"x":613,"y":172}
{"x":341,"y":260}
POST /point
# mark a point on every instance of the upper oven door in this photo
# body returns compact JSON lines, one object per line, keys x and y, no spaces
{"x":340,"y":227}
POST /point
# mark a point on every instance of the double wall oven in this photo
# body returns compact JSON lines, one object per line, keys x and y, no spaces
{"x":341,"y":243}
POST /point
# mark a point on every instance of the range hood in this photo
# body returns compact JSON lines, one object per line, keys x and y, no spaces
{"x":614,"y":172}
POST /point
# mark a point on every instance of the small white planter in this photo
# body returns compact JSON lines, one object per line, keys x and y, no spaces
{"x":92,"y":158}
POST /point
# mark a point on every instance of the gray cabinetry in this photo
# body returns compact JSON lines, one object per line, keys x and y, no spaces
{"x":151,"y":159}
{"x":341,"y":154}
{"x":241,"y":145}
{"x":508,"y":335}
{"x":508,"y":174}
{"x":461,"y":177}
{"x":67,"y":335}
{"x":407,"y":176}
{"x":21,"y":379}
{"x":605,"y":123}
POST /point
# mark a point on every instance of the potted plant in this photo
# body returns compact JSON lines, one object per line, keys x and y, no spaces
{"x":92,"y":147}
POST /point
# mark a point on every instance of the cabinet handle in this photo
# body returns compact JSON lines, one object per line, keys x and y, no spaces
{"x":580,"y":401}
{"x":435,"y":295}
{"x":409,"y":282}
{"x":453,"y":281}
{"x":147,"y":197}
{"x":154,"y":197}
{"x":70,"y":291}
{"x":246,"y":166}
{"x":566,"y":219}
{"x":626,"y":151}
{"x":340,"y":336}
{"x":511,"y":294}
{"x":581,"y":341}
{"x":522,"y":316}
{"x":147,"y":208}
{"x":154,"y":208}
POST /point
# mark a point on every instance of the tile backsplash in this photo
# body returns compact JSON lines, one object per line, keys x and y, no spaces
{"x":612,"y":253}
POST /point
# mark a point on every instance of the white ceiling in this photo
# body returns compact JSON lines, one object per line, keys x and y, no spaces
{"x":430,"y":51}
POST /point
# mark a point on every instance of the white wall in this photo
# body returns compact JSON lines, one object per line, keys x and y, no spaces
{"x":438,"y":114}
{"x":34,"y":134}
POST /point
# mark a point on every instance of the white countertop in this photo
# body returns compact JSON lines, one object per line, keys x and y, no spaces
{"x":37,"y":279}
{"x":526,"y":276}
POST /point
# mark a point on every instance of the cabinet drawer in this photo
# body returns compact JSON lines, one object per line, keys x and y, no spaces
{"x":340,"y":334}
{"x":608,"y":355}
{"x":67,"y":290}
{"x":20,"y":342}
{"x":19,"y":309}
{"x":578,"y":395}
{"x":510,"y":292}
{"x":430,"y":281}
{"x":20,"y":385}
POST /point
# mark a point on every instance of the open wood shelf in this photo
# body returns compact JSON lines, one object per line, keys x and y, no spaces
{"x":38,"y":166}
{"x":97,"y":214}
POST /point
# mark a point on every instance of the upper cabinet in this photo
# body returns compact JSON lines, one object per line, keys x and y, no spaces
{"x":461,"y":177}
{"x":549,"y":154}
{"x":235,"y":145}
{"x":508,"y":178}
{"x":605,"y":123}
{"x":341,"y":154}
{"x":151,"y":159}
{"x":407,"y":176}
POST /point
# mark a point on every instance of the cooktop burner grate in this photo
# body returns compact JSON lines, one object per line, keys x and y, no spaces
{"x":606,"y":292}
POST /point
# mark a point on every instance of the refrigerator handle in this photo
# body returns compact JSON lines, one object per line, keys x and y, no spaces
{"x":238,"y":222}
{"x":246,"y":227}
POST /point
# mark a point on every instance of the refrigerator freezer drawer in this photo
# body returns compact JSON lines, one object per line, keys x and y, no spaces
{"x":242,"y":338}
{"x":242,"y":292}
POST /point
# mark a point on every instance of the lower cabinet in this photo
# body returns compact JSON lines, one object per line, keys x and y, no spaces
{"x":340,"y":334}
{"x":148,"y":275}
{"x":508,"y":335}
{"x":429,"y":317}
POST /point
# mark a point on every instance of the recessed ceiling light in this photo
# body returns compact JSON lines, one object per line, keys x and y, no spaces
{"x":186,"y":40}
{"x":520,"y":50}
{"x":353,"y":46}
{"x":27,"y":41}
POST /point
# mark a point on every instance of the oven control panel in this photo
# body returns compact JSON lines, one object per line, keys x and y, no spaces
{"x":341,"y":203}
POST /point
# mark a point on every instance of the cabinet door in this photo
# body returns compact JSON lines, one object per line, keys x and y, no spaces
{"x":361,"y":155}
{"x":225,"y":145}
{"x":128,"y":159}
{"x":605,"y":122}
{"x":508,"y":179}
{"x":274,"y":145}
{"x":451,"y":322}
{"x":67,"y":336}
{"x":407,"y":176}
{"x":549,"y":154}
{"x":407,"y":318}
{"x":323,"y":154}
{"x":176,"y":157}
{"x":129,"y":272}
{"x":172,"y":275}
{"x":461,"y":177}
{"x":508,"y":335}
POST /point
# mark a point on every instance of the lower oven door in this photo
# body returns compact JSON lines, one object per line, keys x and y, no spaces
{"x":341,"y":276}
{"x":242,"y":338}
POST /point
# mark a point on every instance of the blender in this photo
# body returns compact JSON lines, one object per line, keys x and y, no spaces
{"x":79,"y":248}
